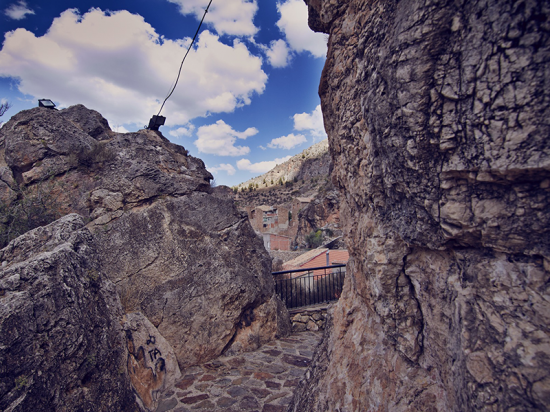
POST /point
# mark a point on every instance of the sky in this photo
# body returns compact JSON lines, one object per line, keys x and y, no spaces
{"x":247,"y":96}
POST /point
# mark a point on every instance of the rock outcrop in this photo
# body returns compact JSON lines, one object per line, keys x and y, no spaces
{"x":188,"y":268}
{"x":437,"y":115}
{"x":61,"y":343}
{"x":310,"y":163}
{"x":322,"y":213}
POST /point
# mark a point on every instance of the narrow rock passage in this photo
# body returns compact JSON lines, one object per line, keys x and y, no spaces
{"x":263,"y":380}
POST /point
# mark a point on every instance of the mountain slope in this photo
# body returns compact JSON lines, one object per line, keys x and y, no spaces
{"x":312,"y":162}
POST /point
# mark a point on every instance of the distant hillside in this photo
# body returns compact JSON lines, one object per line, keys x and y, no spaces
{"x":300,"y":190}
{"x":312,"y":162}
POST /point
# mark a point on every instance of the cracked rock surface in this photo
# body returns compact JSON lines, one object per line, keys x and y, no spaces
{"x":191,"y":274}
{"x":438,"y":115}
{"x":61,"y":344}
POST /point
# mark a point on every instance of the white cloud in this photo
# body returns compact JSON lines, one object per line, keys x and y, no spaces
{"x":233,"y":17}
{"x":220,"y":138}
{"x":18,"y":11}
{"x":293,"y":23}
{"x":224,"y":167}
{"x":278,"y":53}
{"x":186,"y":130}
{"x":312,"y":122}
{"x":120,"y":129}
{"x":287,"y":142}
{"x":117,"y":64}
{"x":260,"y":167}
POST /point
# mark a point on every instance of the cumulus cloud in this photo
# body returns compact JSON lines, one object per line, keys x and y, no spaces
{"x":18,"y":11}
{"x":224,"y":167}
{"x":116,"y":63}
{"x":293,"y":23}
{"x":312,"y":122}
{"x":120,"y":129}
{"x":186,"y":130}
{"x":287,"y":142}
{"x":220,"y":138}
{"x":278,"y":53}
{"x":260,"y":167}
{"x":233,"y":17}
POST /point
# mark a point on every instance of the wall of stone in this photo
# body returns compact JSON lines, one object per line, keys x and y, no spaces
{"x":437,"y":116}
{"x":312,"y":319}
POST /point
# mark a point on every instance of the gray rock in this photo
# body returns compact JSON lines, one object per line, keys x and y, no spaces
{"x":61,"y":345}
{"x":195,"y":268}
{"x":89,"y":121}
{"x":177,"y":250}
{"x":437,"y":115}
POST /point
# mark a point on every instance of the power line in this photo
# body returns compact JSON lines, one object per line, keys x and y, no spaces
{"x":181,"y":65}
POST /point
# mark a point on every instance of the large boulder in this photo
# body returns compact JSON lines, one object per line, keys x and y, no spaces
{"x":178,"y":251}
{"x":62,"y":347}
{"x":196,"y":269}
{"x":437,"y":116}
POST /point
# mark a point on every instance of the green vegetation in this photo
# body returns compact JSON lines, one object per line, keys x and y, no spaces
{"x":21,"y":382}
{"x":314,"y":239}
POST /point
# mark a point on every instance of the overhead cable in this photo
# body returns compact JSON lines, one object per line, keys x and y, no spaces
{"x":181,"y":65}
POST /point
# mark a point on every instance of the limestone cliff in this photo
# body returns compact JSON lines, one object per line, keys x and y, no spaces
{"x":437,"y":116}
{"x":193,"y":278}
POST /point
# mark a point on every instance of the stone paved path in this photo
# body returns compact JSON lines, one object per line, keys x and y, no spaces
{"x":261,"y":381}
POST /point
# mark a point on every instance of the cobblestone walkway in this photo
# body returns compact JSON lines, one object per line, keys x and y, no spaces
{"x":261,"y":381}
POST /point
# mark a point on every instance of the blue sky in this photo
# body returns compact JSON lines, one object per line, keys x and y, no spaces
{"x":247,"y":97}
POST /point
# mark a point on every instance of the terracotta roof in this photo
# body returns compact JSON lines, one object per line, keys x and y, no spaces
{"x":301,"y":260}
{"x":317,"y":258}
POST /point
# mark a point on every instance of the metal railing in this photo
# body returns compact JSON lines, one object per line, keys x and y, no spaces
{"x":306,"y":287}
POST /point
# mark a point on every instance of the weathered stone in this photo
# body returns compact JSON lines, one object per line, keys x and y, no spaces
{"x":226,"y":402}
{"x":152,"y":364}
{"x":436,"y":116}
{"x":202,"y":275}
{"x":178,"y":251}
{"x":167,"y":405}
{"x":7,"y":185}
{"x":298,"y":327}
{"x":312,"y":326}
{"x":248,"y":403}
{"x":295,"y":360}
{"x":89,"y":121}
{"x":272,"y":385}
{"x":61,"y":344}
{"x":194,"y":399}
{"x":273,"y":408}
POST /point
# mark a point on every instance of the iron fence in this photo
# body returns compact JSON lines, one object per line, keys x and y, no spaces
{"x":306,"y":287}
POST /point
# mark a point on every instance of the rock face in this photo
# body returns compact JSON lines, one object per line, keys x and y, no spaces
{"x":152,"y":365}
{"x":187,"y":266}
{"x":323,"y":212}
{"x":312,"y":162}
{"x":196,"y":271}
{"x":437,"y":115}
{"x":61,"y":344}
